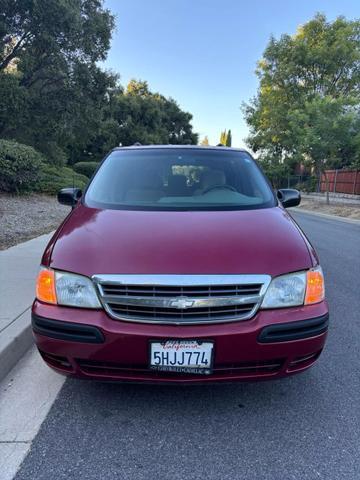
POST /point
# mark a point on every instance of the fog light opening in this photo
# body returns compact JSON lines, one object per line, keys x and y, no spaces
{"x":304,"y":361}
{"x":56,"y":361}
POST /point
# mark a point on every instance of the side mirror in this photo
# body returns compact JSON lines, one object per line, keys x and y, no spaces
{"x":69,"y":196}
{"x":289,"y":197}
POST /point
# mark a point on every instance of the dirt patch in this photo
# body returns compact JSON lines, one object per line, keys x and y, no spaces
{"x":26,"y":217}
{"x":339,"y":209}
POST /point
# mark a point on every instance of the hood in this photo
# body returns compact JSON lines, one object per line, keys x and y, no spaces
{"x":93,"y":241}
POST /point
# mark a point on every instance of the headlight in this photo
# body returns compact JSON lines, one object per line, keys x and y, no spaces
{"x":75,"y":291}
{"x":66,"y":289}
{"x":294,"y":289}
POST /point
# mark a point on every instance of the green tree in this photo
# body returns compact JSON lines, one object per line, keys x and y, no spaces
{"x":307,"y":106}
{"x":150,"y":118}
{"x":56,"y":98}
{"x":228,"y":139}
{"x":48,"y":56}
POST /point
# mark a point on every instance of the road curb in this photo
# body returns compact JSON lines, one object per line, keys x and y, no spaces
{"x":15,"y":340}
{"x":326,"y":215}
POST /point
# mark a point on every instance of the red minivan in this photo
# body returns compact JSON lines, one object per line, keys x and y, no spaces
{"x":179,"y":264}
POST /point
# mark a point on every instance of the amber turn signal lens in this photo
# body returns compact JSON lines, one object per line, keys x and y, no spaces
{"x":45,"y":286}
{"x":315,"y":289}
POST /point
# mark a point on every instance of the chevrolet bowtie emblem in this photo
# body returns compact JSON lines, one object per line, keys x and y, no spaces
{"x":181,"y":303}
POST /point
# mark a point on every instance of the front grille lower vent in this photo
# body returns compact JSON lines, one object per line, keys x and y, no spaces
{"x":181,"y":299}
{"x":110,"y":369}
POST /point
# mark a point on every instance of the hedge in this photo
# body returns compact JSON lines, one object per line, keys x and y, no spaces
{"x":20,"y":167}
{"x":85,"y":168}
{"x":23,"y":169}
{"x":54,"y":178}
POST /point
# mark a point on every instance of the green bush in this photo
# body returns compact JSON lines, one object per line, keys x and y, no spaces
{"x":309,"y":185}
{"x":19,"y":167}
{"x":54,"y":154}
{"x":53,"y":178}
{"x":85,"y":168}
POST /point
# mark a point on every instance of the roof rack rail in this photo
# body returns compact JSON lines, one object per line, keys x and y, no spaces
{"x":220,"y":145}
{"x":137,"y":144}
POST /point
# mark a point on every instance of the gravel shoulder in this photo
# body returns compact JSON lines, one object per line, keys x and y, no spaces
{"x":335,"y":208}
{"x":26,"y":217}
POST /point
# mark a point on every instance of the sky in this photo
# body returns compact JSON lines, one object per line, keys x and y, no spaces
{"x":203,"y":53}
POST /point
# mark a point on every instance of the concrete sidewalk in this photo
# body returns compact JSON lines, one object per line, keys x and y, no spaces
{"x":18,"y":269}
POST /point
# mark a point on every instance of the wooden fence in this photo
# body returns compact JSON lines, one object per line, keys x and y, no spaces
{"x":341,"y":181}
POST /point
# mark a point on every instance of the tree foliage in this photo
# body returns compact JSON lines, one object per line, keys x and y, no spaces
{"x":48,"y":58}
{"x":308,"y":105}
{"x":55,"y":97}
{"x":225,"y":138}
{"x":228,"y":139}
{"x":147,"y":117}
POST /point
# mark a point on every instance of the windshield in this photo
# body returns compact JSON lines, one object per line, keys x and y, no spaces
{"x":179,"y":179}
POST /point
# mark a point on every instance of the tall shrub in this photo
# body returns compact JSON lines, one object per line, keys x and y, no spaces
{"x":20,"y":167}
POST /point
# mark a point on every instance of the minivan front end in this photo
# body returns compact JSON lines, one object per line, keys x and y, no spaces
{"x":189,"y":274}
{"x":88,"y":344}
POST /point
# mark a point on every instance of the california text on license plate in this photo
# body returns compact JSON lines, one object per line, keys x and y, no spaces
{"x":182,"y":356}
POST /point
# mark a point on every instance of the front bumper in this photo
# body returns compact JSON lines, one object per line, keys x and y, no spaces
{"x":89,"y":344}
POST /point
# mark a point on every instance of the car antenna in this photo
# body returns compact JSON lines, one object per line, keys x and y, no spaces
{"x":73,"y":186}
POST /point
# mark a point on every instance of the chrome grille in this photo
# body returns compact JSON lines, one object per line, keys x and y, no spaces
{"x":179,"y":291}
{"x":181,"y":299}
{"x":180,"y":313}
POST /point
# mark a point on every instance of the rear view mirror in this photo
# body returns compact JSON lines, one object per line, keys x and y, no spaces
{"x":289,"y":197}
{"x":69,"y":196}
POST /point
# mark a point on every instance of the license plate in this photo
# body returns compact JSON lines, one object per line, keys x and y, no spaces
{"x":182,"y":356}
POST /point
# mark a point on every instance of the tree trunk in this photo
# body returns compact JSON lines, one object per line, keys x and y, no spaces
{"x":11,"y":55}
{"x":327,"y":187}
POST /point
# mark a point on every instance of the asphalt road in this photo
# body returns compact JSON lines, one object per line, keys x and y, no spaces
{"x":304,"y":427}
